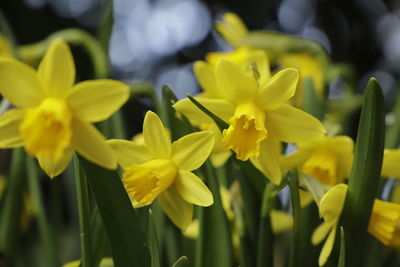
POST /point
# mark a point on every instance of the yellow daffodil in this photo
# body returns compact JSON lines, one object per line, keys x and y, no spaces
{"x":53,"y":116}
{"x":231,"y":28}
{"x":330,"y":209}
{"x":205,"y":74}
{"x":5,"y":47}
{"x":254,"y":105}
{"x":390,"y":164}
{"x":384,"y":223}
{"x":161,"y":169}
{"x":308,"y":67}
{"x":327,"y":159}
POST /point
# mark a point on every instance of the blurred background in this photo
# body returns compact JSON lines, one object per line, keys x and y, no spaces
{"x":155,"y":42}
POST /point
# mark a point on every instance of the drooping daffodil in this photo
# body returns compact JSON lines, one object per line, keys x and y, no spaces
{"x":54,"y":117}
{"x":160,"y":169}
{"x":254,"y":103}
{"x":327,"y":159}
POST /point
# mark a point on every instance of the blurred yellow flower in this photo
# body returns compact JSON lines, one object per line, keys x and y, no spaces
{"x":231,"y":28}
{"x":308,"y":67}
{"x":54,"y":117}
{"x":161,"y":169}
{"x":254,"y":105}
{"x":105,"y":262}
{"x":390,"y":164}
{"x":327,"y":159}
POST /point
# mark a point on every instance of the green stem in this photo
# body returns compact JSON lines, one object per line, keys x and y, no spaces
{"x":44,"y":226}
{"x":12,"y":206}
{"x":295,"y":199}
{"x":84,"y":212}
{"x":33,"y":52}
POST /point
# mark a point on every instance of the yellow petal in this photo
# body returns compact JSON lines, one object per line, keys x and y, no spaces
{"x":290,"y":124}
{"x":293,"y":160}
{"x":390,"y":165}
{"x":190,"y":151}
{"x":327,"y":248}
{"x":57,"y":69}
{"x":321,"y":232}
{"x":206,"y":77}
{"x":178,"y":210}
{"x":19,"y":83}
{"x":156,"y":137}
{"x":129,"y":153}
{"x":54,"y":168}
{"x":193,"y":190}
{"x":281,"y":221}
{"x":233,"y":82}
{"x":91,"y":144}
{"x":9,"y":129}
{"x":331,"y":204}
{"x":97,"y":100}
{"x":235,"y":23}
{"x":268,"y":161}
{"x":221,"y":108}
{"x":277,"y":90}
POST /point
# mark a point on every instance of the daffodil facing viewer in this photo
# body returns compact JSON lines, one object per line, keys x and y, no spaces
{"x":54,"y":117}
{"x":327,"y":159}
{"x":161,"y":169}
{"x":254,"y":103}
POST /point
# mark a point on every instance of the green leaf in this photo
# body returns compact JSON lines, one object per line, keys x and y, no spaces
{"x":84,"y":214}
{"x":178,"y":127}
{"x":11,"y":206}
{"x":222,"y":125}
{"x":98,"y":237}
{"x":182,"y":261}
{"x":365,"y":174}
{"x":214,"y":245}
{"x":342,"y":255}
{"x":153,"y":242}
{"x":266,"y":236}
{"x":295,"y":252}
{"x":313,"y":103}
{"x":125,"y":237}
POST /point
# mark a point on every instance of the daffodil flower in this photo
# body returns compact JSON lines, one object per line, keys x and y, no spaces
{"x":384,"y":223}
{"x":330,"y":209}
{"x":54,"y":117}
{"x":327,"y":159}
{"x":161,"y":169}
{"x":308,"y":67}
{"x":254,"y":105}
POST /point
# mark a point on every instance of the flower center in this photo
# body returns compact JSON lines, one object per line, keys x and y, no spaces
{"x":146,"y":181}
{"x":246,"y":131}
{"x":322,"y":166}
{"x":46,"y":129}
